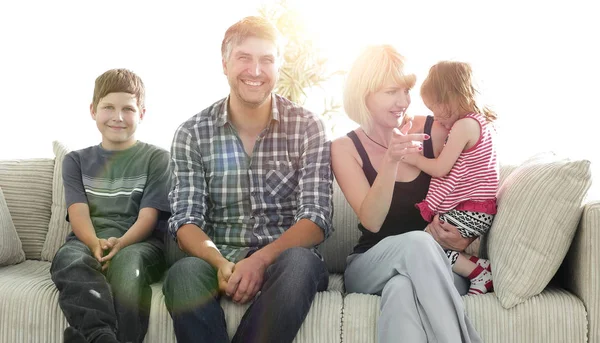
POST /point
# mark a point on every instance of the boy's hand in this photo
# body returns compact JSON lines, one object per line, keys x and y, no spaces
{"x":113,"y":245}
{"x":98,"y":248}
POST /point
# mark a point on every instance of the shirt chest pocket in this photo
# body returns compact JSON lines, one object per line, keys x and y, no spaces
{"x":281,"y":179}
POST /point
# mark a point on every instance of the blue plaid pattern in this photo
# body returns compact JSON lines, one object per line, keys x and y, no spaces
{"x":244,"y":203}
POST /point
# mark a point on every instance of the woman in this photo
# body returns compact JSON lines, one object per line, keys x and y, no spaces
{"x":394,"y":256}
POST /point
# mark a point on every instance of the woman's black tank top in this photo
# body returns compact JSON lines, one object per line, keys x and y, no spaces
{"x":402,"y":216}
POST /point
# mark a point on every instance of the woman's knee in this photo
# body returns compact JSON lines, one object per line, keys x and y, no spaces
{"x":412,"y":242}
{"x":398,"y":284}
{"x":398,"y":291}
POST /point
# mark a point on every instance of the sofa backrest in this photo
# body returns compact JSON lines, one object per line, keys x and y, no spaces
{"x":27,"y":188}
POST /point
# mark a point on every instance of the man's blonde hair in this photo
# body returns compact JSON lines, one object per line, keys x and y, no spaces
{"x":376,"y":67}
{"x":119,"y":81}
{"x":252,"y":26}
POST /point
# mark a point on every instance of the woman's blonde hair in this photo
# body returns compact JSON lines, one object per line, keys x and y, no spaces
{"x":374,"y":68}
{"x":450,"y":83}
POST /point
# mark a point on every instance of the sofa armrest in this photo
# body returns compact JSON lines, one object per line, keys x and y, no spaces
{"x":581,"y":267}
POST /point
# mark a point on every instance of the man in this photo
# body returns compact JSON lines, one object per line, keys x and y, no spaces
{"x":251,"y":198}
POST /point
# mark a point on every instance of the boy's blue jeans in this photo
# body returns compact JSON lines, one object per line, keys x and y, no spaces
{"x":116,"y":302}
{"x":289,"y":287}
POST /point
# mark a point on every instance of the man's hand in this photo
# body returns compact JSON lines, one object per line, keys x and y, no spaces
{"x":224,"y":272}
{"x":447,"y":235}
{"x":247,"y":279}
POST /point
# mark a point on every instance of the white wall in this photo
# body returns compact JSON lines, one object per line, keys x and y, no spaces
{"x":537,"y":61}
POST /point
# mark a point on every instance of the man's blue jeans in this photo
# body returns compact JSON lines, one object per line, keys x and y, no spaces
{"x":116,"y":302}
{"x":290,"y":285}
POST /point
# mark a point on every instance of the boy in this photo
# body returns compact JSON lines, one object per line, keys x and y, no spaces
{"x":115,"y":193}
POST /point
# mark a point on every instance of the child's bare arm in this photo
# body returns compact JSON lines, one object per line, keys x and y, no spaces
{"x":140,"y":230}
{"x":81,"y":224}
{"x":465,"y":134}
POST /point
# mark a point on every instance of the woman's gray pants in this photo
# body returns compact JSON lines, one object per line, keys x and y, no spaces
{"x":419,"y":299}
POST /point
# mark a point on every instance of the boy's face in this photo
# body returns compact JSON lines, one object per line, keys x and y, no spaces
{"x":252,"y":71}
{"x":117,"y":116}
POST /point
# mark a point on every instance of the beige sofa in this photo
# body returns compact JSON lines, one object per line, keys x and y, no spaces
{"x":565,"y":311}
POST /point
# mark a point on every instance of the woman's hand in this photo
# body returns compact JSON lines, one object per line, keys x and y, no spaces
{"x":448,"y":236}
{"x":403,"y":142}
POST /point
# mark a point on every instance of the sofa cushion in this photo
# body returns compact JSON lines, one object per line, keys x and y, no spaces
{"x":553,"y":316}
{"x":27,"y":187}
{"x":339,"y":245}
{"x":11,"y":250}
{"x":322,"y":324}
{"x":539,"y":206}
{"x":29,"y":311}
{"x":59,"y":227}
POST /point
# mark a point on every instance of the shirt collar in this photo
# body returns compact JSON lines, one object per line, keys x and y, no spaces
{"x":222,"y":116}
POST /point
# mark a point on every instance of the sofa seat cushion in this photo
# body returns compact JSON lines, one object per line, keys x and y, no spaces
{"x":554,"y":315}
{"x":322,"y":324}
{"x":29,"y":308}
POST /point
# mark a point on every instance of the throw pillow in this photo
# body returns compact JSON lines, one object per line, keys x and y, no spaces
{"x":11,"y":250}
{"x":59,"y":227}
{"x":27,"y":188}
{"x":539,"y":206}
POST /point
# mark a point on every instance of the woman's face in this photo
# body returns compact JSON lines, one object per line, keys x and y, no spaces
{"x":388,"y":105}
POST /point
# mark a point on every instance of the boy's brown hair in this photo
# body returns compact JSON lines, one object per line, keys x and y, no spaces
{"x":119,"y":81}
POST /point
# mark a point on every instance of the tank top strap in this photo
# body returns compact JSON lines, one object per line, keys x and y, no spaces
{"x":368,"y":169}
{"x":428,"y":144}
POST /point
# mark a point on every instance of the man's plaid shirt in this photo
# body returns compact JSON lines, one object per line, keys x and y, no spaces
{"x":243,"y":203}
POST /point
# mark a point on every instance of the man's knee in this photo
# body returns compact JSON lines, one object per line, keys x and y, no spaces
{"x":189,"y":274}
{"x":189,"y":283}
{"x":298,"y":266}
